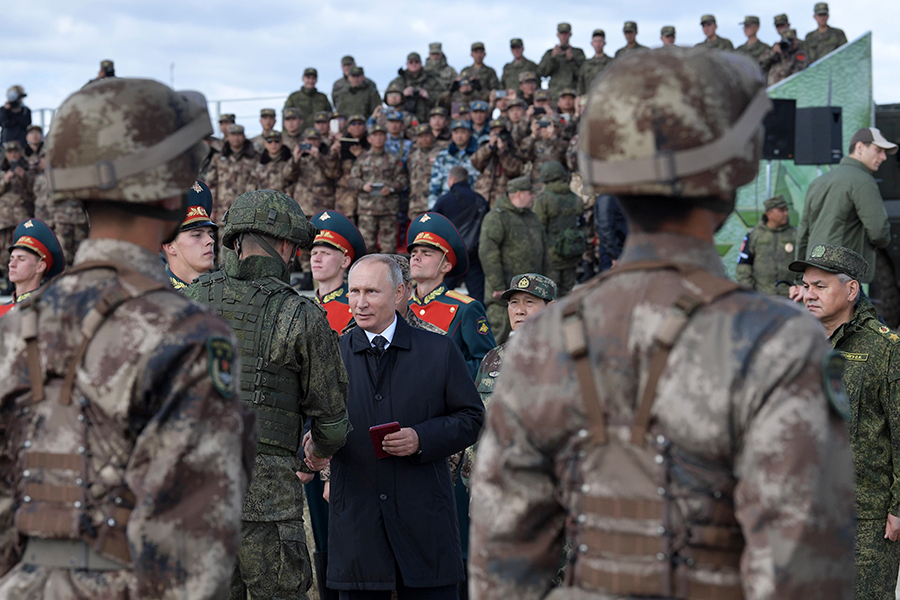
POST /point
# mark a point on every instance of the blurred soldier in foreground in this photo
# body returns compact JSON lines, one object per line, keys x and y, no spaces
{"x":293,"y":371}
{"x":675,"y":428}
{"x":831,"y":283}
{"x":768,"y":250}
{"x":34,"y":257}
{"x":128,"y":452}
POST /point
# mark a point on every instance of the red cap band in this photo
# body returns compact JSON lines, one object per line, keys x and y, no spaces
{"x":26,"y":241}
{"x":335,"y":239}
{"x":427,"y":238}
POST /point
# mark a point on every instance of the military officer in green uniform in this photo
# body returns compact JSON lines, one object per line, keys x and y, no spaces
{"x":768,"y":250}
{"x":292,"y":371}
{"x":191,"y":252}
{"x":562,"y":62}
{"x":509,"y":81}
{"x":871,"y":352}
{"x":753,"y":46}
{"x":437,"y":251}
{"x":308,"y":99}
{"x":629,"y":30}
{"x":713,"y":40}
{"x":594,"y":66}
{"x":824,"y":38}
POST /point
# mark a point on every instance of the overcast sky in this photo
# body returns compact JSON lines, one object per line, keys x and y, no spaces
{"x":234,"y":49}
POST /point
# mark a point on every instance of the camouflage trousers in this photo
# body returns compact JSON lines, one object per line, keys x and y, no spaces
{"x":273,"y":562}
{"x":70,"y":236}
{"x":6,"y":240}
{"x":29,"y":582}
{"x":345,"y":202}
{"x":877,"y":561}
{"x":498,"y":318}
{"x":565,"y":280}
{"x":417,"y":206}
{"x":380,"y":228}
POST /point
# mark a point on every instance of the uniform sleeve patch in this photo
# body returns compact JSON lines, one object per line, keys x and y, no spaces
{"x":482,"y":326}
{"x":833,"y":374}
{"x":221,"y":364}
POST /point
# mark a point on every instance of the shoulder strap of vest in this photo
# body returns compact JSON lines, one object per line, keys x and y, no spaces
{"x":702,"y":289}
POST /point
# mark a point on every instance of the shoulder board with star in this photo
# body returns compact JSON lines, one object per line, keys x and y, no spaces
{"x":885,"y":331}
{"x":457,"y":296}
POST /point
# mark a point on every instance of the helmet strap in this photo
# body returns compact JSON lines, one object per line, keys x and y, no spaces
{"x":175,"y":215}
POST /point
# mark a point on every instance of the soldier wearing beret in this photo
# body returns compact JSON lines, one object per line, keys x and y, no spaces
{"x":419,"y":88}
{"x":824,"y":38}
{"x":753,"y":46}
{"x":191,"y":253}
{"x":562,"y":62}
{"x":34,"y":257}
{"x":519,"y":64}
{"x":267,"y":118}
{"x":308,"y":99}
{"x":594,"y":66}
{"x":713,"y":40}
{"x":437,"y":63}
{"x":231,"y":173}
{"x":437,"y":252}
{"x":629,"y":30}
{"x":486,"y":75}
{"x":293,"y":127}
{"x":667,"y":35}
{"x":871,"y":374}
{"x":512,"y":241}
{"x":359,"y":97}
{"x":768,"y":250}
{"x":341,"y":85}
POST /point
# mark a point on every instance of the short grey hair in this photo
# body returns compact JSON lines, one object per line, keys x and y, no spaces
{"x":844,"y":278}
{"x":395,"y":275}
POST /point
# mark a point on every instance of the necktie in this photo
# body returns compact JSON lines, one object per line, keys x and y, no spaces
{"x":379,"y":342}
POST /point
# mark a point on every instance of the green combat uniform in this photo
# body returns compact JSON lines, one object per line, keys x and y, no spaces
{"x":512,"y":241}
{"x":292,"y":370}
{"x":630,"y":26}
{"x":766,"y":254}
{"x":563,"y":73}
{"x":590,"y":70}
{"x":511,"y":70}
{"x":755,"y":50}
{"x":819,"y":44}
{"x":559,"y":210}
{"x":308,"y":100}
{"x":871,"y":355}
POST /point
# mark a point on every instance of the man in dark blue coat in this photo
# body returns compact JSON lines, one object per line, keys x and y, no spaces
{"x":393,"y":522}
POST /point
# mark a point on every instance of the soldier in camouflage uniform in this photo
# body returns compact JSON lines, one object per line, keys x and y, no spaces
{"x":713,"y":40}
{"x":419,"y":165}
{"x":594,"y":66}
{"x":293,"y":127}
{"x":629,"y":30}
{"x":345,"y":195}
{"x":871,"y":352}
{"x":16,"y":197}
{"x":543,"y":145}
{"x":753,"y":46}
{"x":127,"y":451}
{"x":359,"y":97}
{"x":436,"y":63}
{"x":498,"y":161}
{"x":439,"y":124}
{"x":562,"y":63}
{"x":268,"y":172}
{"x":677,"y":480}
{"x":309,"y":175}
{"x":420,"y":88}
{"x":231,"y":173}
{"x":267,"y":118}
{"x":463,"y":93}
{"x":486,"y":75}
{"x":378,"y":177}
{"x":341,"y":85}
{"x":512,"y":241}
{"x":308,"y":99}
{"x":768,"y":250}
{"x":560,"y":211}
{"x":397,"y":142}
{"x":824,"y":38}
{"x":293,"y":372}
{"x":509,"y":81}
{"x":779,"y":63}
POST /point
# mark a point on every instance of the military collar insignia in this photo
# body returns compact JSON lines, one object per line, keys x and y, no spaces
{"x":332,"y":295}
{"x":439,"y":290}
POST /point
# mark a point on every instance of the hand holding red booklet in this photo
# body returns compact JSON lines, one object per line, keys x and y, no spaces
{"x":377,"y":434}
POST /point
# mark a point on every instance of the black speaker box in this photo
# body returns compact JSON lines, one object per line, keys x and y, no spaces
{"x":779,"y":126}
{"x":887,"y":120}
{"x":819,"y":140}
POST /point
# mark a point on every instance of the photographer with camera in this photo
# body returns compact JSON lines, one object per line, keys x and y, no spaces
{"x":562,"y":62}
{"x":498,"y":162}
{"x":544,"y":145}
{"x":15,"y":117}
{"x":420,"y":88}
{"x":785,"y":58}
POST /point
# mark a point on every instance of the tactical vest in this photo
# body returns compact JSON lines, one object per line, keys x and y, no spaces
{"x":271,"y":391}
{"x":662,"y":522}
{"x":70,"y":471}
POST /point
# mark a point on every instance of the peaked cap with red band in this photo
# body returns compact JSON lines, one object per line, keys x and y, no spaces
{"x":432,"y":229}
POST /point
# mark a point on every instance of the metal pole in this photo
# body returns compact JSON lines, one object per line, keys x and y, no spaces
{"x":768,"y":179}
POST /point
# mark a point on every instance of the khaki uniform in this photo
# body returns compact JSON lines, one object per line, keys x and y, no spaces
{"x":311,"y":182}
{"x":16,"y":205}
{"x":146,"y":463}
{"x":764,"y":259}
{"x":419,"y":165}
{"x":344,"y":195}
{"x":496,"y":170}
{"x":230,"y":175}
{"x":781,"y":66}
{"x":268,"y":173}
{"x":820,"y":44}
{"x":378,"y":214}
{"x":740,"y":410}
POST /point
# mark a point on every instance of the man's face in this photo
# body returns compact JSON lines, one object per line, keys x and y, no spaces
{"x":563,"y":38}
{"x":461,"y":137}
{"x":598,"y":42}
{"x":709,"y":29}
{"x":523,"y":199}
{"x":629,"y":36}
{"x":427,"y":263}
{"x":435,"y":56}
{"x":377,"y":139}
{"x":313,"y":142}
{"x":292,"y":125}
{"x":516,"y":113}
{"x":268,"y":123}
{"x":478,"y":56}
{"x":870,"y":155}
{"x":517,"y":51}
{"x":394,"y":127}
{"x":13,"y":155}
{"x":822,"y":20}
{"x":309,"y":81}
{"x":425,"y":141}
{"x":479,"y":117}
{"x":566,"y":103}
{"x":528,"y":86}
{"x":522,"y":306}
{"x":236,"y":141}
{"x":668,"y":40}
{"x":23,"y":265}
{"x":357,"y":80}
{"x":781,"y":28}
{"x":327,"y":262}
{"x":356,"y":129}
{"x":34,"y":137}
{"x":323,"y":128}
{"x":273,"y":146}
{"x":393,"y":98}
{"x":825,"y":296}
{"x":414,"y":66}
{"x":778,"y":217}
{"x":346,"y":69}
{"x":465,"y":88}
{"x":372,"y":299}
{"x":437,"y":122}
{"x":751,"y":30}
{"x":224,"y":125}
{"x":196,"y":248}
{"x":545,"y":104}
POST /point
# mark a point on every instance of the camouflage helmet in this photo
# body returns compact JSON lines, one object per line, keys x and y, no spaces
{"x":126,"y":140}
{"x":270,"y":213}
{"x":683,"y":122}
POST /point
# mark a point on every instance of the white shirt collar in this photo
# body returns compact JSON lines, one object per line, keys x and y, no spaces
{"x":387,"y":334}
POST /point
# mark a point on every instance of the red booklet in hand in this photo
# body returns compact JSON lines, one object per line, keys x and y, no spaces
{"x":377,"y":434}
